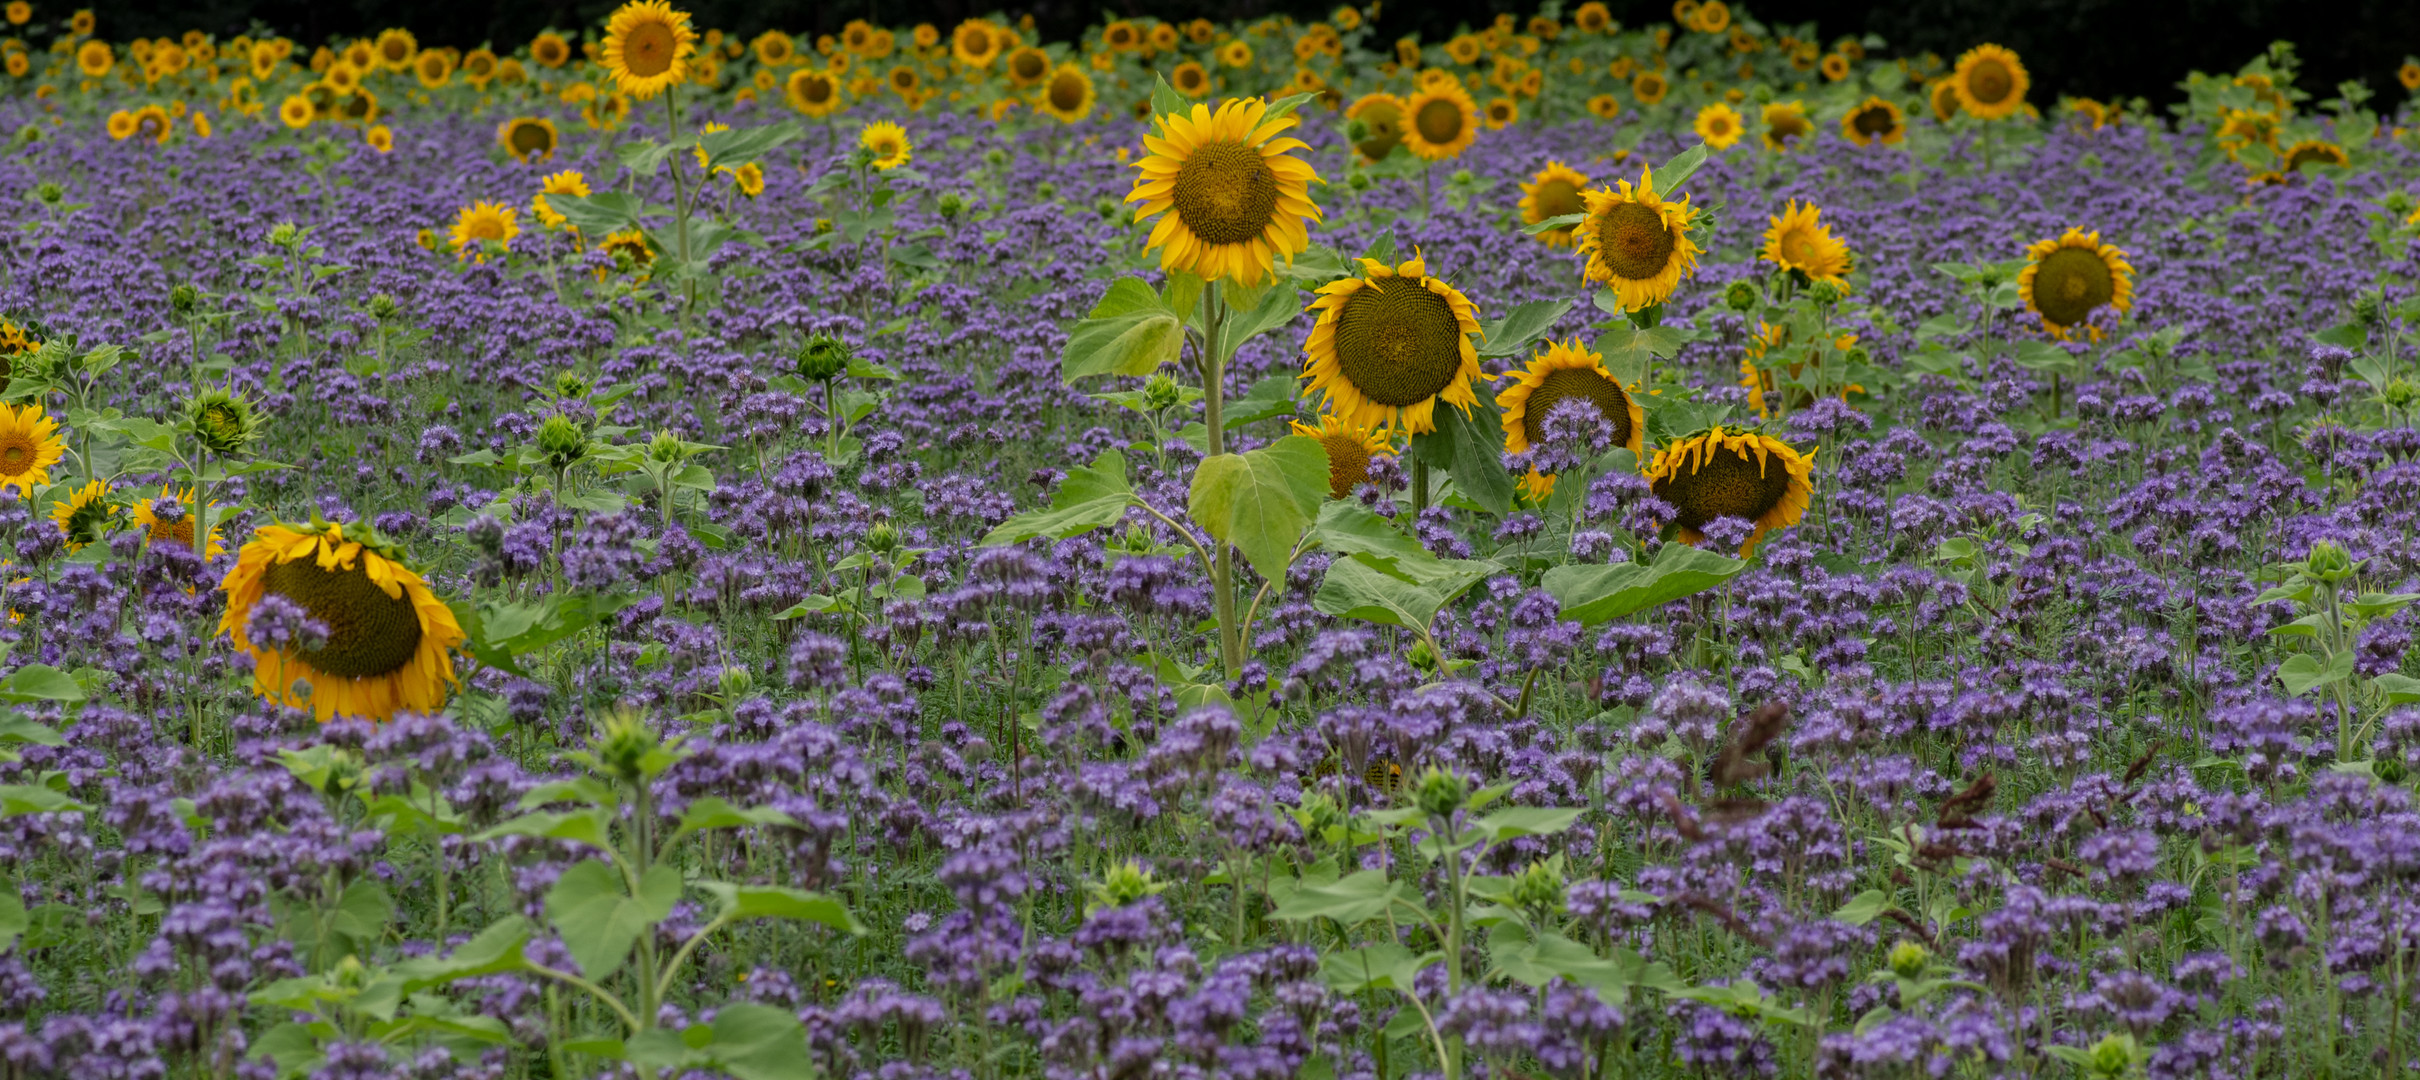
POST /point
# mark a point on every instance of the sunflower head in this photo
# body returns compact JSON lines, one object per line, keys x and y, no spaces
{"x":1068,"y":95}
{"x":381,"y":641}
{"x":1799,"y":242}
{"x":1389,"y":345}
{"x":1554,"y":192}
{"x":528,"y":138}
{"x":481,"y":224}
{"x":1636,"y":242}
{"x":1990,"y":82}
{"x":1786,"y":126}
{"x":974,"y":43}
{"x":1745,"y":475}
{"x":2314,"y":152}
{"x":1349,"y":447}
{"x":1442,"y":120}
{"x":1650,"y":87}
{"x":1719,"y":125}
{"x":568,"y":182}
{"x":1873,"y":121}
{"x":648,"y":48}
{"x":813,"y":92}
{"x":550,"y":50}
{"x":885,"y":145}
{"x":1233,"y":197}
{"x":225,"y":423}
{"x":1562,"y":373}
{"x":1381,"y":117}
{"x":30,"y":444}
{"x":2067,"y":279}
{"x":86,"y":515}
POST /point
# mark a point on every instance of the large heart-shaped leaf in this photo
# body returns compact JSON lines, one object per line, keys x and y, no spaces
{"x":1597,"y":594}
{"x":600,"y":919}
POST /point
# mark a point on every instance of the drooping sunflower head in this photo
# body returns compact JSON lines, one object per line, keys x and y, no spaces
{"x":886,"y":143}
{"x":1637,"y":243}
{"x":1943,"y":97}
{"x":629,"y":251}
{"x":1990,"y":82}
{"x":1561,"y":373}
{"x":86,"y":515}
{"x":168,"y":519}
{"x":1745,"y":475}
{"x":1350,"y":447}
{"x":1069,"y":94}
{"x":225,"y":423}
{"x":1719,"y":125}
{"x":1381,"y":116}
{"x":387,"y":642}
{"x":528,"y":138}
{"x":2311,"y":153}
{"x":1553,"y":193}
{"x":1787,"y":127}
{"x":29,"y":445}
{"x":1442,"y":120}
{"x":479,"y":224}
{"x":1800,"y":242}
{"x":1390,"y":344}
{"x":1234,"y":197}
{"x":2067,"y":279}
{"x":648,"y":46}
{"x":813,"y":92}
{"x":1872,"y":121}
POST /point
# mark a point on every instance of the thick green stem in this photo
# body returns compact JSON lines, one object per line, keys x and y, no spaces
{"x":680,"y":209}
{"x":1214,"y":375}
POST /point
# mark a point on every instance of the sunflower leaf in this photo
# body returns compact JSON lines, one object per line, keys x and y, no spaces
{"x":1130,"y":332}
{"x":1092,"y":497}
{"x":1471,"y":448}
{"x":1279,"y":305}
{"x":1262,"y":501}
{"x":1598,"y":594}
{"x":1348,"y":528}
{"x":1409,"y":595}
{"x":1166,"y":101}
{"x":1559,"y":221}
{"x":601,"y":214}
{"x":737,"y":147}
{"x":1521,"y":327}
{"x":1670,"y":175}
{"x":599,"y":919}
{"x":1285,"y":106}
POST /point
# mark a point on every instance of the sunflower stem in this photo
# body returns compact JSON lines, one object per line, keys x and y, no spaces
{"x":680,"y":206}
{"x":1419,"y":487}
{"x":1222,"y":572}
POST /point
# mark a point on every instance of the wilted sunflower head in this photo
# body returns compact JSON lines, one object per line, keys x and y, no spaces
{"x":2067,"y":279}
{"x":224,"y":423}
{"x":1744,"y":475}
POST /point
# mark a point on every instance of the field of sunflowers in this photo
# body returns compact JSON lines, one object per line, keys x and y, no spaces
{"x":1571,"y":551}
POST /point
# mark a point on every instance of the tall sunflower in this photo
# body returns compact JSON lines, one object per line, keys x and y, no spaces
{"x":1799,"y":241}
{"x":1349,"y":447}
{"x":549,"y":49}
{"x":1444,"y":121}
{"x":2067,"y":279}
{"x":887,"y":142}
{"x":389,"y":638}
{"x":1719,"y":125}
{"x":29,"y":445}
{"x":975,"y":43}
{"x":1068,"y":95}
{"x":528,"y":138}
{"x":1737,"y":474}
{"x":647,"y":48}
{"x":86,"y":516}
{"x":1027,"y":66}
{"x":1501,"y":113}
{"x":1565,"y":371}
{"x":1874,"y":120}
{"x":1382,"y":119}
{"x":1392,"y":343}
{"x":159,"y":526}
{"x":1235,"y":199}
{"x":1990,"y":82}
{"x":1637,"y":243}
{"x":813,"y":92}
{"x":479,"y":222}
{"x":568,"y":182}
{"x":1554,"y":193}
{"x":1787,"y":127}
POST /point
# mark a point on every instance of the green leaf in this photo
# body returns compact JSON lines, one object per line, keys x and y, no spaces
{"x":1130,"y":332}
{"x":601,"y":214}
{"x":1271,"y":397}
{"x":583,"y":826}
{"x":738,"y":146}
{"x":759,"y":1042}
{"x":1597,"y":594}
{"x":40,"y":682}
{"x":1091,"y":497}
{"x":778,"y":902}
{"x":2399,"y":689}
{"x":363,"y":911}
{"x":1670,"y":175}
{"x":1261,"y":501}
{"x":599,"y":920}
{"x":1357,"y":897}
{"x":17,"y":730}
{"x":713,"y":812}
{"x":2303,"y":672}
{"x":1346,"y":527}
{"x":17,"y":800}
{"x":1285,"y":106}
{"x":1518,"y":821}
{"x":1863,"y":908}
{"x":1520,"y":327}
{"x":1559,"y":221}
{"x":1381,"y":966}
{"x":1278,"y":305}
{"x":1357,"y":588}
{"x":1471,"y":449}
{"x":1166,"y":101}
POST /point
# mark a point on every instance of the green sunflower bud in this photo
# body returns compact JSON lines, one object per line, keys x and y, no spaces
{"x":1106,"y":207}
{"x":1161,"y":392}
{"x":2328,"y":562}
{"x":1440,"y":792}
{"x":1046,"y":191}
{"x":562,"y":440}
{"x":823,"y":358}
{"x":1908,"y":959}
{"x":2369,"y":308}
{"x":2399,"y":394}
{"x":224,"y":423}
{"x":570,"y":386}
{"x":285,"y":234}
{"x":665,"y":448}
{"x":882,"y":538}
{"x":1539,"y":888}
{"x":1824,"y":293}
{"x":29,"y":134}
{"x":183,"y":299}
{"x":1359,"y":181}
{"x":623,"y":745}
{"x":737,"y":681}
{"x":1124,"y":884}
{"x":1742,"y":296}
{"x":49,"y":193}
{"x":951,"y":204}
{"x":384,"y":308}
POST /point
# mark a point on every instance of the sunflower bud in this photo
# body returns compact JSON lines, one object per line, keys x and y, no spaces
{"x":2399,"y":394}
{"x":49,"y":193}
{"x":1824,"y":293}
{"x":183,"y":299}
{"x":1539,"y":888}
{"x":1124,"y":884}
{"x":1422,"y":657}
{"x":224,"y":423}
{"x":1359,"y":181}
{"x":823,"y":358}
{"x":823,"y":225}
{"x":29,"y":134}
{"x":1106,"y":207}
{"x":665,"y":448}
{"x":1742,"y":296}
{"x":384,"y":308}
{"x":882,"y":538}
{"x":1161,"y":392}
{"x":1046,"y":191}
{"x":951,"y":204}
{"x":1317,"y":814}
{"x":622,"y":746}
{"x":1441,"y":792}
{"x":562,"y":441}
{"x":2328,"y":562}
{"x":736,"y":682}
{"x":344,"y":773}
{"x":2369,"y":308}
{"x":285,"y":234}
{"x":1908,"y":959}
{"x":569,"y":386}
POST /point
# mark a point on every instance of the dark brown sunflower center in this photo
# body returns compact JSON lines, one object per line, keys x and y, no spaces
{"x":1030,"y":65}
{"x":903,"y":79}
{"x":1718,"y":125}
{"x":1398,"y":343}
{"x":1225,"y":193}
{"x":1348,"y":462}
{"x":1567,"y":384}
{"x":1634,"y":241}
{"x":647,"y":49}
{"x":1439,"y":121}
{"x":2070,"y":283}
{"x":369,"y":633}
{"x":816,"y":89}
{"x":2321,"y":154}
{"x":1729,"y":484}
{"x":886,"y":147}
{"x":1067,"y":92}
{"x":1874,"y":121}
{"x":177,"y":531}
{"x":1990,"y":82}
{"x":551,"y":54}
{"x":1787,"y":126}
{"x":1499,"y":111}
{"x":1556,"y":198}
{"x":395,"y":51}
{"x":531,"y":139}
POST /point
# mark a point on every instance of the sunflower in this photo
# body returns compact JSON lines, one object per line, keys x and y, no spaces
{"x":1502,"y":112}
{"x":1604,"y":106}
{"x":1787,"y":126}
{"x":1189,"y":78}
{"x":296,"y":111}
{"x":1739,"y":474}
{"x":527,"y":138}
{"x":628,"y":249}
{"x":395,"y":49}
{"x":2067,"y":279}
{"x":81,"y":23}
{"x":1235,"y":199}
{"x":1990,"y":82}
{"x":887,"y":142}
{"x":1800,"y":242}
{"x":1874,"y":120}
{"x":1637,"y":243}
{"x":380,"y":138}
{"x":1835,"y":67}
{"x":857,"y":36}
{"x":1943,"y":97}
{"x":87,"y":516}
{"x":29,"y":445}
{"x":1553,"y":193}
{"x":388,"y":637}
{"x":121,"y":125}
{"x":1593,"y":17}
{"x":1650,"y":87}
{"x":481,"y":222}
{"x":1120,"y":35}
{"x":478,"y":67}
{"x":1349,"y":448}
{"x":434,"y":69}
{"x":550,"y":50}
{"x":360,"y":107}
{"x":19,"y":12}
{"x":1068,"y":95}
{"x":775,"y":49}
{"x":95,"y":59}
{"x":974,"y":43}
{"x":748,"y":179}
{"x":1028,"y":66}
{"x":568,"y":182}
{"x":152,"y":122}
{"x":2314,"y":152}
{"x":1565,"y":372}
{"x":1719,"y":125}
{"x":1713,"y":17}
{"x":1444,"y":120}
{"x":647,"y":48}
{"x":2409,"y":76}
{"x":813,"y":92}
{"x":1392,"y":343}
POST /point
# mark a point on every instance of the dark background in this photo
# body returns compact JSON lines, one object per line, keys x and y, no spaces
{"x":2095,"y":48}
